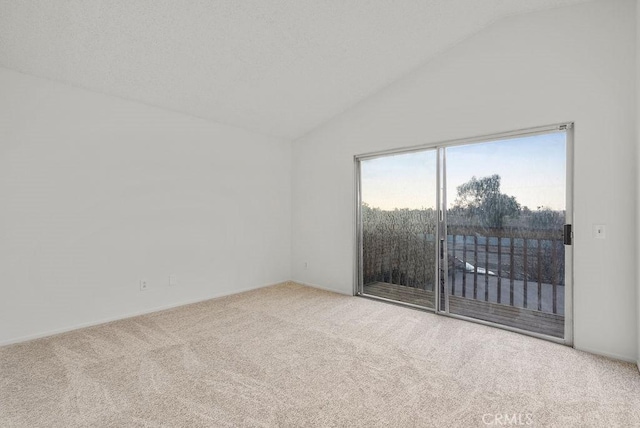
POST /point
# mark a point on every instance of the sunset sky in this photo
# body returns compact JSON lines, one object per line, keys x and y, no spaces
{"x":533,"y":169}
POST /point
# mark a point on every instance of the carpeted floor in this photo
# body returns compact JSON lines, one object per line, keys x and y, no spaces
{"x":294,"y":356}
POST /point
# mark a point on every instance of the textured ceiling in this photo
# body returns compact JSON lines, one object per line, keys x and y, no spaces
{"x":278,"y":67}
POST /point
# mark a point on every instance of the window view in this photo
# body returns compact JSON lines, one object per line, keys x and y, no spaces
{"x":399,"y":227}
{"x":505,"y":217}
{"x":505,"y":210}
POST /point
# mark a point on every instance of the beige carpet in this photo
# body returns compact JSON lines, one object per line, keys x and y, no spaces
{"x":295,"y":356}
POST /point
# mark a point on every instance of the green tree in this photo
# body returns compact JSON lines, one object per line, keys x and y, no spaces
{"x":481,"y":198}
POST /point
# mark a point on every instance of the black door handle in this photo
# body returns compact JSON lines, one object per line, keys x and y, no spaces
{"x":566,"y":234}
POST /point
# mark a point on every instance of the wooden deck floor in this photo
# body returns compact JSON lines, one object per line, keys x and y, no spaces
{"x":400,"y":293}
{"x":525,"y":319}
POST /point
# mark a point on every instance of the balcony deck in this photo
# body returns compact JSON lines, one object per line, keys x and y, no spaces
{"x":505,"y":314}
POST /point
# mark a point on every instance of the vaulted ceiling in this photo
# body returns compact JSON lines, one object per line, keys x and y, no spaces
{"x":277,"y":67}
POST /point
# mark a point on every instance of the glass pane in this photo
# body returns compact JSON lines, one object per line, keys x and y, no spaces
{"x":505,"y":217}
{"x":399,"y":226}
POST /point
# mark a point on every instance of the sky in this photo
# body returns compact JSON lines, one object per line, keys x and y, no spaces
{"x":532,"y":168}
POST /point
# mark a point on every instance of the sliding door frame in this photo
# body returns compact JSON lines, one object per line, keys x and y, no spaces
{"x":358,"y":289}
{"x":440,"y":147}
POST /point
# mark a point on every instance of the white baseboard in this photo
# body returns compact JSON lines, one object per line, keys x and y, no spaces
{"x":129,"y":315}
{"x":608,"y":355}
{"x":320,"y":287}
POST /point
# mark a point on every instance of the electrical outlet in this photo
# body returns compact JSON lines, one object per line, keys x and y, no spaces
{"x":143,"y":284}
{"x":599,"y":231}
{"x":173,"y":280}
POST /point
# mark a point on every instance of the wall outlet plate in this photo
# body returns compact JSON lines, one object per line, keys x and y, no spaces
{"x":599,"y":231}
{"x":143,"y":284}
{"x":173,"y":280}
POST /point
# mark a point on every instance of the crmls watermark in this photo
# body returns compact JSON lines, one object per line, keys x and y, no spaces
{"x":507,"y":419}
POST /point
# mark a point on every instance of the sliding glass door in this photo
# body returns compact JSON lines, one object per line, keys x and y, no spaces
{"x":506,"y":210}
{"x":488,"y":220}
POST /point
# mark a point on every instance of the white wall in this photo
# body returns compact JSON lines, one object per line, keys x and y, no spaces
{"x":98,"y":192}
{"x":572,"y":64}
{"x":638,"y":161}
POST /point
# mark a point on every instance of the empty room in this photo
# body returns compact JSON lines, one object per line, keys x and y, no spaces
{"x":288,"y":213}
